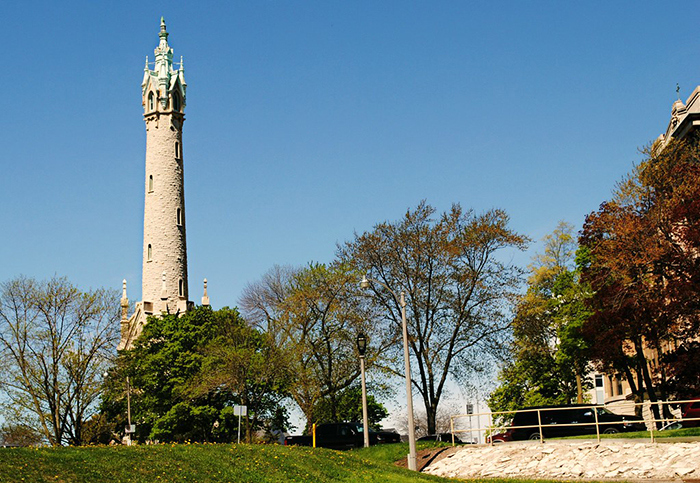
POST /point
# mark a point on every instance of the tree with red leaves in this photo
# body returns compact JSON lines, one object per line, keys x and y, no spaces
{"x":644,"y":270}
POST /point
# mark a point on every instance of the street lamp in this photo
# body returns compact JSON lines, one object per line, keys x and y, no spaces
{"x":365,"y":284}
{"x":362,"y":348}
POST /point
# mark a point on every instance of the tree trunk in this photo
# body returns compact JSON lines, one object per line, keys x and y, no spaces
{"x":642,"y":363}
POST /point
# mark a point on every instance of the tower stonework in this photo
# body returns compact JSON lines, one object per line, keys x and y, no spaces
{"x":164,"y":282}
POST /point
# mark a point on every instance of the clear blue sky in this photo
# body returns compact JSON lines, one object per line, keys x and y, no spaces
{"x":307,"y":121}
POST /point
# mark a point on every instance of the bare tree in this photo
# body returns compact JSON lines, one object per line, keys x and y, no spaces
{"x":55,"y":343}
{"x":459,"y":292}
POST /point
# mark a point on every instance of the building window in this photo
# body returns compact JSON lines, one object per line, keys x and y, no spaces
{"x":181,"y":288}
{"x":177,"y":150}
{"x":176,"y":100}
{"x":618,"y":379}
{"x":179,"y":217}
{"x":149,"y":254}
{"x":150,"y":183}
{"x":151,"y":101}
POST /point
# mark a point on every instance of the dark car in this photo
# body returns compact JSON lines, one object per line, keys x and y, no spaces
{"x":560,"y":421}
{"x":342,"y":436}
{"x":443,"y":437}
{"x":378,"y":437}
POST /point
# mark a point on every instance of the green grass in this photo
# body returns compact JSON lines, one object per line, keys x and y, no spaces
{"x":674,"y":433}
{"x":210,"y":463}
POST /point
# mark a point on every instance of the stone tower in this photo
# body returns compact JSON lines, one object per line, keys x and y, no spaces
{"x":165,"y":288}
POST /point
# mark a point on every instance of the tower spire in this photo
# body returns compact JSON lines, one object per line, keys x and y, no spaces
{"x":164,"y":280}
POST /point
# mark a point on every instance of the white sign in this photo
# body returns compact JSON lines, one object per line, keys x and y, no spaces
{"x":130,"y":428}
{"x":240,"y":410}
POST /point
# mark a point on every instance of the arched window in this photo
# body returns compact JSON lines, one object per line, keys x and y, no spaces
{"x":150,"y":253}
{"x":150,"y":183}
{"x":176,"y":100}
{"x":179,"y":216}
{"x":177,"y":150}
{"x":181,"y":288}
{"x":151,"y":101}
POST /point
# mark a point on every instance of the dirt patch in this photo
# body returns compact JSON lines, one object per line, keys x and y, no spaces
{"x":425,"y":457}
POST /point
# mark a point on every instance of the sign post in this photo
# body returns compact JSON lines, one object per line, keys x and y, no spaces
{"x":240,"y":411}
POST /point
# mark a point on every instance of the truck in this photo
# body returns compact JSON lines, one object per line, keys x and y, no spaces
{"x":342,"y":436}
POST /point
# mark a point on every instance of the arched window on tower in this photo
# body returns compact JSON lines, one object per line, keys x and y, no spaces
{"x":150,"y":184}
{"x":149,"y":254}
{"x":177,"y":150}
{"x":176,"y":100}
{"x":181,"y":288}
{"x":179,"y":217}
{"x":151,"y":101}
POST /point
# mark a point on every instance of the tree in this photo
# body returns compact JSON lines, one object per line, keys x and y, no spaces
{"x":644,"y":269}
{"x":458,"y":291}
{"x":187,"y":371}
{"x":314,"y":315}
{"x":55,"y":342}
{"x":549,"y":361}
{"x":17,"y":434}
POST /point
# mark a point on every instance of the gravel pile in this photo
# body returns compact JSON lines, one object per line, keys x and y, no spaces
{"x":610,"y":459}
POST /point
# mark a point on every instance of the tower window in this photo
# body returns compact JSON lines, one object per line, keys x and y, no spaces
{"x":179,"y":217}
{"x":181,"y":288}
{"x":149,"y":253}
{"x":177,"y":150}
{"x":151,"y":101}
{"x":150,"y":183}
{"x":176,"y":101}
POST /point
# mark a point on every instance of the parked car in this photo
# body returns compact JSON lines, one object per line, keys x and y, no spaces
{"x":342,"y":436}
{"x":444,"y":437}
{"x":503,"y":437}
{"x":691,"y":410}
{"x":560,"y":421}
{"x":672,"y":425}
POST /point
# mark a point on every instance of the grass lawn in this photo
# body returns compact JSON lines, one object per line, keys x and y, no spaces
{"x":207,"y":463}
{"x":674,"y":433}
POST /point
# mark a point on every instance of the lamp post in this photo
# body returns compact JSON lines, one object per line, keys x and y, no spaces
{"x":362,"y":348}
{"x":365,"y":284}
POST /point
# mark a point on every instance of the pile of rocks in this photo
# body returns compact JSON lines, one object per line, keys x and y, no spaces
{"x":554,"y":459}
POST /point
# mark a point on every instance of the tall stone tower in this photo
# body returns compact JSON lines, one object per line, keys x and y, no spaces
{"x":165,"y":287}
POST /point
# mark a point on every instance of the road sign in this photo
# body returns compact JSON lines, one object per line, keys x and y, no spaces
{"x":240,"y":410}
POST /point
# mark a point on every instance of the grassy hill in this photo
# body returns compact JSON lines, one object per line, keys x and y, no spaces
{"x":204,"y":463}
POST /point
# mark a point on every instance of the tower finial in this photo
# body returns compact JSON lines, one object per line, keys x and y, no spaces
{"x":146,"y":66}
{"x":182,"y":64}
{"x":163,"y":32}
{"x":678,"y":91}
{"x":205,"y":298}
{"x":124,"y":288}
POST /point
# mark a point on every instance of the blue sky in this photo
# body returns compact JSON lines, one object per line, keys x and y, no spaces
{"x":308,"y":121}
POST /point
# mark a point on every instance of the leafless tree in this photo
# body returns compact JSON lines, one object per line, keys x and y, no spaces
{"x":55,"y":344}
{"x":459,"y":291}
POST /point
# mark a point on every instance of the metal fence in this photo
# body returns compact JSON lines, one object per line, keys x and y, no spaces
{"x":601,"y":427}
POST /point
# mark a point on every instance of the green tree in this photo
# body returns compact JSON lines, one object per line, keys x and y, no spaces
{"x":314,"y":315}
{"x":458,"y":291}
{"x":548,"y":362}
{"x":186,"y":371}
{"x":55,"y":343}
